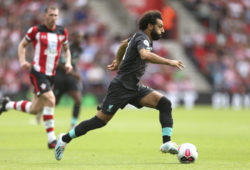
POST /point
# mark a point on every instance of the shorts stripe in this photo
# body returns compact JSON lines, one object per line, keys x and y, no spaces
{"x":33,"y":78}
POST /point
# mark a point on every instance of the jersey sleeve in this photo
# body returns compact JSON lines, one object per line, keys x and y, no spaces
{"x":31,"y":33}
{"x":65,"y":41}
{"x":142,"y":42}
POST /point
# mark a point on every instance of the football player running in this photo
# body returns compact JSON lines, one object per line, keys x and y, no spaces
{"x":131,"y":60}
{"x":47,"y":40}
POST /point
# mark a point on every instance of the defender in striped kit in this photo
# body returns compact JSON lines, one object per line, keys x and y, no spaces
{"x":47,"y":40}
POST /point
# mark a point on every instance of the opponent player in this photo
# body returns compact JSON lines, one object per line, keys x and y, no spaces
{"x":47,"y":40}
{"x":70,"y":83}
{"x":132,"y":57}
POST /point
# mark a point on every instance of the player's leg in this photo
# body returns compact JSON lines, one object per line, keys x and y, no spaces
{"x":37,"y":105}
{"x":31,"y":107}
{"x":48,"y":100}
{"x":58,"y":92}
{"x":58,"y":97}
{"x":111,"y":103}
{"x":98,"y":121}
{"x":74,"y":88}
{"x":158,"y":101}
{"x":22,"y":105}
{"x":60,"y":85}
{"x":77,"y":97}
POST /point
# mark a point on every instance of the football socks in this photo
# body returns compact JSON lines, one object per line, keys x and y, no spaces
{"x":22,"y":105}
{"x":48,"y":119}
{"x":166,"y":120}
{"x":75,"y":114}
{"x":83,"y":127}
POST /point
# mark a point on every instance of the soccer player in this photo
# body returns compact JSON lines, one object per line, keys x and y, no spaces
{"x":71,"y":82}
{"x":47,"y":40}
{"x":132,"y":58}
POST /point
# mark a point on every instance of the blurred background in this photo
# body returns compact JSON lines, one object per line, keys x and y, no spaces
{"x":211,"y":37}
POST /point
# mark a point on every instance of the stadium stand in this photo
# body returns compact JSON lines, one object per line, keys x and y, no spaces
{"x":222,"y":53}
{"x":220,"y":50}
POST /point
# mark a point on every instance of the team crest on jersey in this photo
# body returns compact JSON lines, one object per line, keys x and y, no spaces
{"x":61,"y":37}
{"x":146,"y":43}
{"x":43,"y":86}
{"x":43,"y":37}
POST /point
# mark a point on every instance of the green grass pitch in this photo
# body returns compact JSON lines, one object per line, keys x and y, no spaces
{"x":131,"y":140}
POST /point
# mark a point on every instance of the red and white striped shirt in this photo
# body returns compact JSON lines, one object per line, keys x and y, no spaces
{"x":47,"y":44}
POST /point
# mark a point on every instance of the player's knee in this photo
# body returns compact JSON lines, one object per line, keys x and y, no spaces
{"x":34,"y":111}
{"x":50,"y":101}
{"x":78,"y":101}
{"x":164,"y":104}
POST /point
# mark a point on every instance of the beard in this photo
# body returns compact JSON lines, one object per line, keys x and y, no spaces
{"x":155,"y":35}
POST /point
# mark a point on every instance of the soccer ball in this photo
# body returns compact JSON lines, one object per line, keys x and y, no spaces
{"x":187,"y":153}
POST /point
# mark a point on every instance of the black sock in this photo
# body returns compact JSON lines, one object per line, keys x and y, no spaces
{"x":66,"y":138}
{"x":166,"y":138}
{"x":164,"y":106}
{"x":83,"y":127}
{"x":75,"y":114}
{"x":76,"y":111}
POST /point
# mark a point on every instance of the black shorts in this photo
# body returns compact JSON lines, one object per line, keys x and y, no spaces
{"x":118,"y":97}
{"x":41,"y":82}
{"x":65,"y":83}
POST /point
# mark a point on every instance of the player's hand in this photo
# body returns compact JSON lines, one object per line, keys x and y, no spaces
{"x":177,"y":63}
{"x":25,"y":65}
{"x":68,"y":68}
{"x":113,"y":66}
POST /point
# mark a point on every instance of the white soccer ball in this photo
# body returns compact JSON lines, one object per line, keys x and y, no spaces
{"x":187,"y":153}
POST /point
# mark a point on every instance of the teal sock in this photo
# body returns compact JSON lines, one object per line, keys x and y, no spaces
{"x":69,"y":136}
{"x":166,"y":134}
{"x":72,"y":133}
{"x":73,"y":121}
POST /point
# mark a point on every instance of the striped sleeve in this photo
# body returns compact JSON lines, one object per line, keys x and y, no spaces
{"x":65,"y":41}
{"x":31,"y":33}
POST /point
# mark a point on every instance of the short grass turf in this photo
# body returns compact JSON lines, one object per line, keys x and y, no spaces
{"x":131,"y":140}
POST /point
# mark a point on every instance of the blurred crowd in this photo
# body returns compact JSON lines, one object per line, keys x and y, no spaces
{"x":222,"y":53}
{"x":99,"y":49}
{"x":16,"y":17}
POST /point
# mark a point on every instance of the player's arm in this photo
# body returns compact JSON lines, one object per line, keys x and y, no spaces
{"x":156,"y":59}
{"x":21,"y":54}
{"x":119,"y":55}
{"x":67,"y":56}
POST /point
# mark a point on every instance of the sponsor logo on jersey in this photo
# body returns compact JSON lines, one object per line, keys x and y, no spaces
{"x":43,"y":37}
{"x":61,"y":37}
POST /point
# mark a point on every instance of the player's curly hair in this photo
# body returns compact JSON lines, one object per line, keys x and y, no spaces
{"x":149,"y":17}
